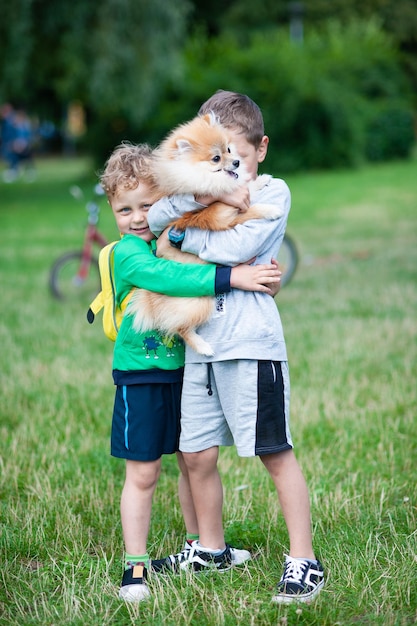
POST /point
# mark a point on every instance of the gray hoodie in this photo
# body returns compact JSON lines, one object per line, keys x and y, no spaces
{"x":245,"y":325}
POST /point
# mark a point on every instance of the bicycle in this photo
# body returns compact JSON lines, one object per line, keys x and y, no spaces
{"x":75,"y":274}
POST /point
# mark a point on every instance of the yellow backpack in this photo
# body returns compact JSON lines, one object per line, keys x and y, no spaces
{"x":106,"y":299}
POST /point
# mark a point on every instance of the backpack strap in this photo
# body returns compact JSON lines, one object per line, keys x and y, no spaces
{"x":95,"y":307}
{"x":106,"y":270}
{"x":106,"y":299}
{"x":117,"y":310}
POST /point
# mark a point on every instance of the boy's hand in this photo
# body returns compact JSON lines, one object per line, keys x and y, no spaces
{"x":275,"y":287}
{"x":239,"y":198}
{"x":265,"y":278}
{"x":163,"y":244}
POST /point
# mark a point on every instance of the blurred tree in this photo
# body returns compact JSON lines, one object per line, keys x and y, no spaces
{"x":113,"y":55}
{"x":122,"y":59}
{"x":398,"y":17}
{"x":336,"y":101}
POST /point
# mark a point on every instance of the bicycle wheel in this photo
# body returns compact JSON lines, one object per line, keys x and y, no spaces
{"x":287,"y":259}
{"x":65,"y":282}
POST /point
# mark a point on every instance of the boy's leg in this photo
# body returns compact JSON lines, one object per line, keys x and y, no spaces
{"x":136,"y":503}
{"x":203,"y":429}
{"x":259,"y":420}
{"x":135,"y":508}
{"x":206,"y":430}
{"x":210,"y":551}
{"x":145,"y":426}
{"x":180,"y":560}
{"x":201,"y":499}
{"x":303,"y":575}
{"x":207,"y":492}
{"x":186,"y":498}
{"x":294,"y":500}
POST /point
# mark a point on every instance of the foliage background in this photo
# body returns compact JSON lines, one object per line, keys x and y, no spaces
{"x":343,"y":93}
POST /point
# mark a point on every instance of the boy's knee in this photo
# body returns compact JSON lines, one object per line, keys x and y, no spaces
{"x":274,"y":462}
{"x":203,"y":459}
{"x":143,"y":476}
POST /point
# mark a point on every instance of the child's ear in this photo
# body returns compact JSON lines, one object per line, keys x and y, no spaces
{"x":263,"y":148}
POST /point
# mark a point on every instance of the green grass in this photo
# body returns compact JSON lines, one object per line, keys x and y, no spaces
{"x":350,"y":323}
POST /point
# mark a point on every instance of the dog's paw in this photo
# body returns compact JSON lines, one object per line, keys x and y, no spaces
{"x":269,"y":211}
{"x":260,"y":182}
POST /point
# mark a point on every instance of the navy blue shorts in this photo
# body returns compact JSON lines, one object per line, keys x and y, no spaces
{"x":146,"y":421}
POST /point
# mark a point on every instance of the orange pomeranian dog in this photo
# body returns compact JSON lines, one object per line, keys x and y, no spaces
{"x":196,"y":158}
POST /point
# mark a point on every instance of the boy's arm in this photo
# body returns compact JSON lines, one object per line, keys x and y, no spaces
{"x":259,"y":239}
{"x":265,"y":277}
{"x":135,"y":266}
{"x":168,"y":209}
{"x":255,"y":238}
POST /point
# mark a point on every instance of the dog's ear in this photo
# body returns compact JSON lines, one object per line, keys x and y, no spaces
{"x":211,"y":118}
{"x":183,"y":146}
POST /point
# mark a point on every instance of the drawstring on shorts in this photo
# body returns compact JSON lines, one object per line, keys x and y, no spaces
{"x":208,"y":386}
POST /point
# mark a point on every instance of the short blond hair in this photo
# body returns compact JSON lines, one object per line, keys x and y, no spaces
{"x":128,"y":165}
{"x":237,"y":111}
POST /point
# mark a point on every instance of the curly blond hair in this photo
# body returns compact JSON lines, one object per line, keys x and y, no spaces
{"x":128,"y":165}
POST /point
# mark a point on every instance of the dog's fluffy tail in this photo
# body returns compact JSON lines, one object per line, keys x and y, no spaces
{"x":172,"y":316}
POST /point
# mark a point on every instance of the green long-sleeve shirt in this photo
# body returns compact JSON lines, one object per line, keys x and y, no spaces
{"x":150,"y":357}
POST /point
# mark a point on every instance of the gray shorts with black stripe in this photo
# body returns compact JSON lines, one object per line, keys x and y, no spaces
{"x":248,"y":407}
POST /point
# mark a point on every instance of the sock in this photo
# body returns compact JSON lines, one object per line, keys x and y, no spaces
{"x":134,"y":559}
{"x":301,"y":558}
{"x":210,"y":550}
{"x":190,"y":537}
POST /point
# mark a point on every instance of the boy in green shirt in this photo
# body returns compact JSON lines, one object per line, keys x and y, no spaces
{"x":147,"y":367}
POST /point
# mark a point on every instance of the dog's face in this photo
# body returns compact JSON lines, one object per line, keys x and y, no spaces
{"x":203,"y":142}
{"x":200,"y":151}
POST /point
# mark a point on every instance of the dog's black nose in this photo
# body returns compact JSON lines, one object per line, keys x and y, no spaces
{"x":236,"y":163}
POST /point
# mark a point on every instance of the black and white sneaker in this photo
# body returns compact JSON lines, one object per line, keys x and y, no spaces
{"x":201,"y":560}
{"x":134,"y":587}
{"x":301,"y":581}
{"x":174,"y":563}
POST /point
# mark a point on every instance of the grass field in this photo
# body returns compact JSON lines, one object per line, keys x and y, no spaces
{"x":350,"y":319}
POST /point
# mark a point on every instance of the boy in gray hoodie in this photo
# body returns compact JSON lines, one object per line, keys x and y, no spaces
{"x":241,"y":394}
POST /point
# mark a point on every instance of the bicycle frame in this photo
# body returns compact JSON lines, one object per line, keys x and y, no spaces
{"x":75,"y":273}
{"x":92,"y":236}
